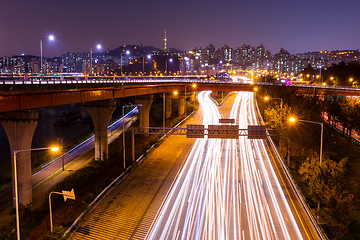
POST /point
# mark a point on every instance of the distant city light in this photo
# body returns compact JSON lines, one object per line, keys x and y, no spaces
{"x":98,"y":46}
{"x":149,"y":56}
{"x":23,"y":54}
{"x":51,"y":37}
{"x":127,"y":52}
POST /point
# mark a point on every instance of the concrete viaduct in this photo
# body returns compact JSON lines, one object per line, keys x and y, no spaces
{"x":19,"y":104}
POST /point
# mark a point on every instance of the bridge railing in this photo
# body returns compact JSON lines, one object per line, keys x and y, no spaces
{"x":60,"y":80}
{"x":92,"y":80}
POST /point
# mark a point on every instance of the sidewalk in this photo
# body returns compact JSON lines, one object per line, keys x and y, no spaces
{"x":120,"y":212}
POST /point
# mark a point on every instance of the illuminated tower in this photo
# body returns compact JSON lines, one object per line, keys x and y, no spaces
{"x":165,"y":40}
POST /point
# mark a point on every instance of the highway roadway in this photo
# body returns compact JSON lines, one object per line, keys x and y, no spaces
{"x":230,"y":188}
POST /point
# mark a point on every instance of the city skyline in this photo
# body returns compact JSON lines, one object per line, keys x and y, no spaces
{"x":297,"y":26}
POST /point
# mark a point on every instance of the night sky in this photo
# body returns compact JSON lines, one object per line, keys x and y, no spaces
{"x":296,"y":25}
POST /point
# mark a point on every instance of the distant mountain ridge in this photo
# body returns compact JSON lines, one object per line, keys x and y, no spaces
{"x":138,"y":50}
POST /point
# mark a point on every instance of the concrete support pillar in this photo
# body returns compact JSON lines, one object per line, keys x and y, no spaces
{"x":181,"y":107}
{"x":101,"y":113}
{"x":168,"y":105}
{"x":20,"y":127}
{"x":144,"y":110}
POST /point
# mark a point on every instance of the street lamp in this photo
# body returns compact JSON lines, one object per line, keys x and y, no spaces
{"x":127,"y":52}
{"x":98,"y":47}
{"x":320,"y":73}
{"x":293,"y":120}
{"x":148,"y":57}
{"x":50,"y":38}
{"x":193,"y":86}
{"x":123,"y":122}
{"x":351,"y":81}
{"x":266,"y":98}
{"x":54,"y":149}
{"x":166,"y":65}
{"x":266,"y":72}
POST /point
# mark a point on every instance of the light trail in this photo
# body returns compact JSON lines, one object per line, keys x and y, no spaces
{"x":55,"y":165}
{"x":227,"y":189}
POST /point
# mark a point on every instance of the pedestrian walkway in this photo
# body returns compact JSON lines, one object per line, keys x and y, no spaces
{"x":120,"y":212}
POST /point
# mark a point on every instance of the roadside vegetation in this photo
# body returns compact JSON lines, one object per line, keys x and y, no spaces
{"x":330,"y":188}
{"x":342,"y":74}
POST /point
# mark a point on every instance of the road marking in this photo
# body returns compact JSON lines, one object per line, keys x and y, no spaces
{"x":297,"y":213}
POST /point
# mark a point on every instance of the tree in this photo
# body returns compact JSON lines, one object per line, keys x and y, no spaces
{"x":337,"y":210}
{"x":275,"y":116}
{"x":325,"y":186}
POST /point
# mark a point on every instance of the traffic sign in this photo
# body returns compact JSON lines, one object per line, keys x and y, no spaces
{"x":226,"y":120}
{"x":223,"y":131}
{"x":68,"y":194}
{"x":256,"y":132}
{"x":195,"y":131}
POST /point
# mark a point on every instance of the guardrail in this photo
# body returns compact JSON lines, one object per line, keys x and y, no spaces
{"x":50,"y":80}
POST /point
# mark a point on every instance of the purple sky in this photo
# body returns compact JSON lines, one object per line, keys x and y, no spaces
{"x":297,"y":26}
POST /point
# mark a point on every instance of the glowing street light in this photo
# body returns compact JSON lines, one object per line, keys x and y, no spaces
{"x":98,"y":47}
{"x":293,"y":120}
{"x":193,"y":86}
{"x":50,"y":38}
{"x":148,"y":57}
{"x":54,"y":149}
{"x":267,"y":98}
{"x":320,"y":67}
{"x":127,"y":52}
{"x":166,"y":64}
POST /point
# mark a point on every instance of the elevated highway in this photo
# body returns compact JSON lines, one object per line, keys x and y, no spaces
{"x":18,"y":94}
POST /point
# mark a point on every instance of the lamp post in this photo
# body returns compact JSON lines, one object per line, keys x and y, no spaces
{"x":50,"y":38}
{"x":164,"y":109}
{"x":166,"y":65}
{"x":351,"y":81}
{"x":320,"y":67}
{"x":127,"y":52}
{"x":266,"y":72}
{"x":193,"y":86}
{"x":54,"y":149}
{"x":148,"y":57}
{"x":186,"y":64}
{"x":98,"y":47}
{"x":123,"y":133}
{"x":292,"y":119}
{"x":281,"y":100}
